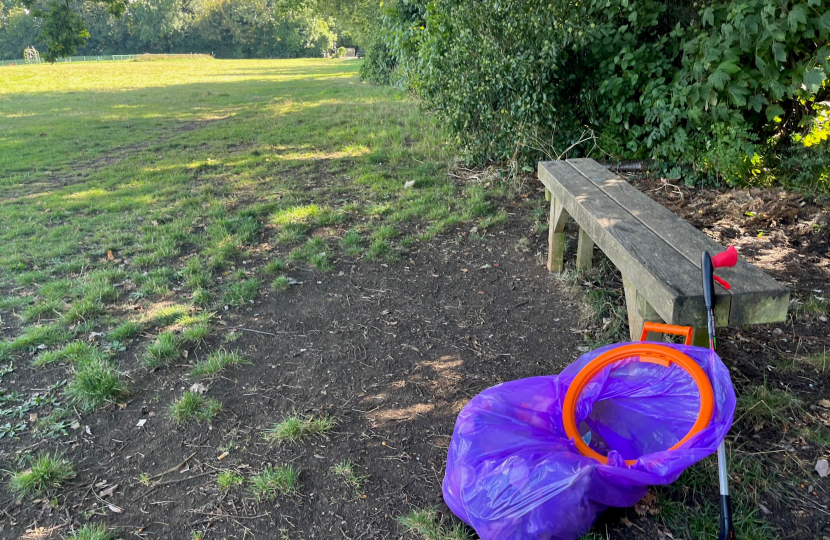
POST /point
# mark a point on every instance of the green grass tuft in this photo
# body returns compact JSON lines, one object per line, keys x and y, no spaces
{"x":273,"y":481}
{"x":814,"y":306}
{"x":96,"y":381}
{"x":15,"y":302}
{"x":84,"y":309}
{"x":91,"y":531}
{"x":280,"y":284}
{"x":162,"y":351}
{"x":167,"y":315}
{"x":275,"y":267}
{"x":228,"y":479}
{"x":241,"y":292}
{"x":192,"y":407}
{"x":380,"y":249}
{"x":759,"y":405}
{"x":216,"y":362}
{"x":78,"y":352}
{"x":43,"y":310}
{"x":46,"y":473}
{"x":201,"y":297}
{"x":346,"y":471}
{"x":196,"y":276}
{"x":124,"y":331}
{"x":33,"y":336}
{"x":320,"y":261}
{"x":293,"y":428}
{"x":427,"y":525}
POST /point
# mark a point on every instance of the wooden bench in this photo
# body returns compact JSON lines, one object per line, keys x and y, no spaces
{"x":657,"y":252}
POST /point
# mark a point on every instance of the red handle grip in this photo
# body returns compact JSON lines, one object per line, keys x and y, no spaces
{"x":726,"y":258}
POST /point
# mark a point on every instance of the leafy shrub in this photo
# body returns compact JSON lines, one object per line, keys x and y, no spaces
{"x":722,"y":85}
{"x":341,"y":52}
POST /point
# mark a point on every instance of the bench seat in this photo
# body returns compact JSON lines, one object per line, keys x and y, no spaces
{"x":657,"y":252}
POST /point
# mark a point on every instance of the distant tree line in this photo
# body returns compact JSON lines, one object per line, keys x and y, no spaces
{"x":226,"y":28}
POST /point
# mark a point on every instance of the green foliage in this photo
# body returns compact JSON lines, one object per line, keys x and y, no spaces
{"x":341,"y":52}
{"x":229,"y":29}
{"x":718,"y":85}
{"x":241,"y":292}
{"x":77,"y":352}
{"x":280,"y":284}
{"x":162,"y":351}
{"x":63,"y":29}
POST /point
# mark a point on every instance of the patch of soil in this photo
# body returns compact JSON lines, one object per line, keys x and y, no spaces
{"x":391,"y":351}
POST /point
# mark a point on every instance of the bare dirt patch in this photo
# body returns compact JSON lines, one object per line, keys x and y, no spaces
{"x":391,"y":351}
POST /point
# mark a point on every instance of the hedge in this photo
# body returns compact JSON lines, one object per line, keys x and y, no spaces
{"x":734,"y":90}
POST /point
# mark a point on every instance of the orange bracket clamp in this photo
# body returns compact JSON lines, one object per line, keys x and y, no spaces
{"x":644,"y":352}
{"x":687,"y":331}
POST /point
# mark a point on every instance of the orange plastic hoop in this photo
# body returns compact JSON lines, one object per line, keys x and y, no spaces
{"x":647,"y":352}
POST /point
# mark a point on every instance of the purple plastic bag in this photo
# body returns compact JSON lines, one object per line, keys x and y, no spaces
{"x":512,"y":473}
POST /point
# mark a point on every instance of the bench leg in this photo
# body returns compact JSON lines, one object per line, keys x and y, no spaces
{"x":584,"y":251}
{"x":556,"y":235}
{"x":638,"y":314}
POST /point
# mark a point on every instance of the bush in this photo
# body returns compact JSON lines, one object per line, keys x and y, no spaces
{"x":724,"y":86}
{"x":341,"y":52}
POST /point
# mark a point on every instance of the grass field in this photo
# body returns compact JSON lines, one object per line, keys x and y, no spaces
{"x":141,"y":202}
{"x":162,"y":176}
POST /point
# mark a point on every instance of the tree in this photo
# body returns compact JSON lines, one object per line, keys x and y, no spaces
{"x":63,"y":30}
{"x":17,"y":31}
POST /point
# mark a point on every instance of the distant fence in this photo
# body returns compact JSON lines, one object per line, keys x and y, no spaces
{"x":111,"y":57}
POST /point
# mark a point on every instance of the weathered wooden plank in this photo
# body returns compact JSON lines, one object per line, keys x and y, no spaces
{"x":756,"y":297}
{"x":644,"y":258}
{"x":584,"y":251}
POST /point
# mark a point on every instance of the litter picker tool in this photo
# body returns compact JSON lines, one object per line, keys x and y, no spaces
{"x":707,"y":267}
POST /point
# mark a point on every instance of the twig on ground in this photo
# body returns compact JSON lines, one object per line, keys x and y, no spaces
{"x":258,"y":331}
{"x":174,"y":468}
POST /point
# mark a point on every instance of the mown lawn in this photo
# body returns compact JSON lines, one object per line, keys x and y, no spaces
{"x":144,"y":182}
